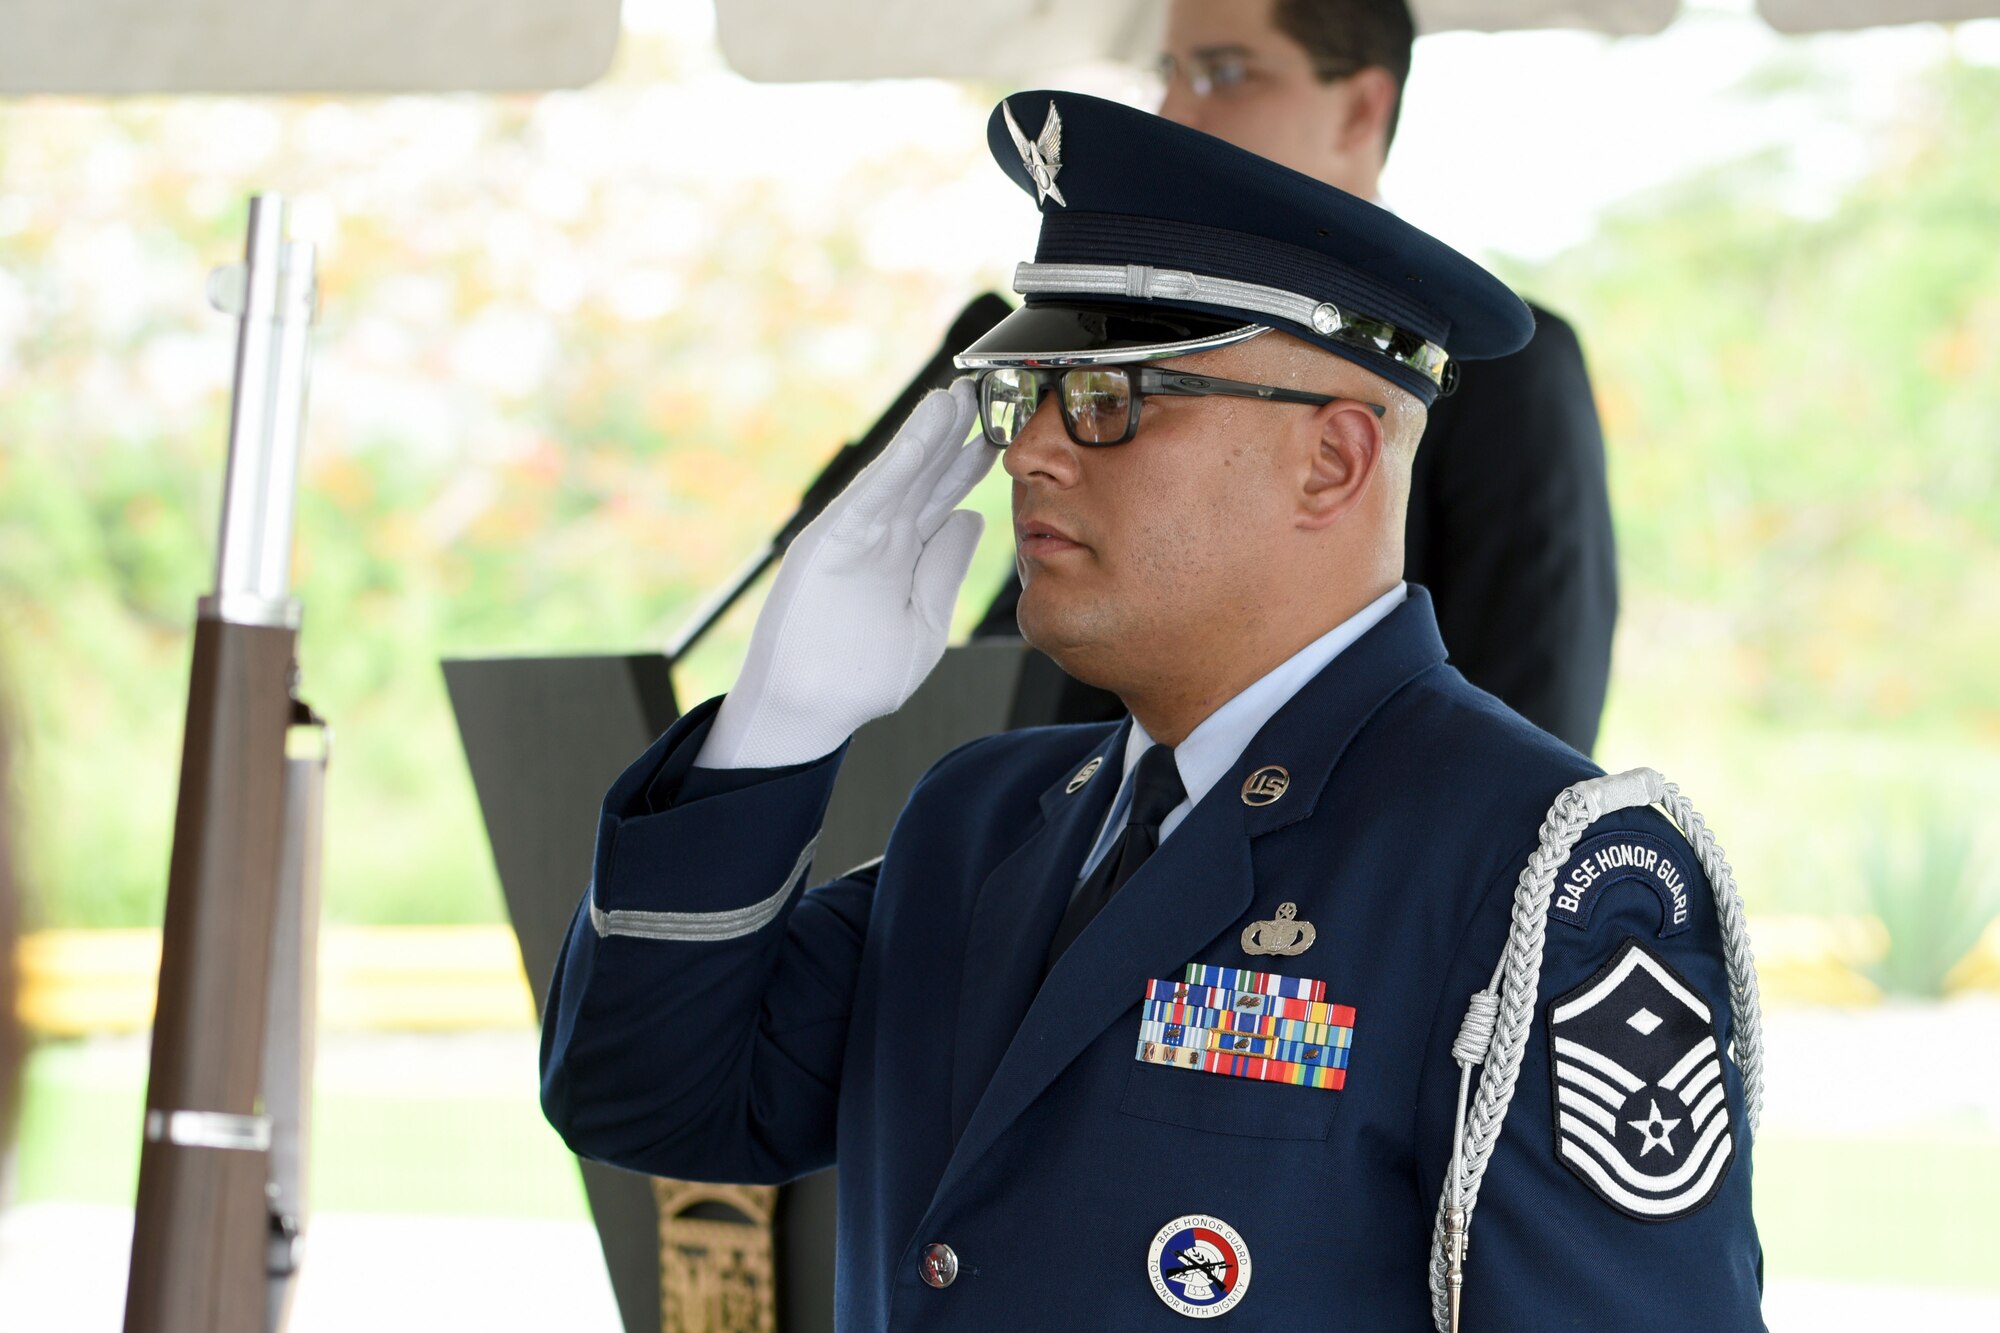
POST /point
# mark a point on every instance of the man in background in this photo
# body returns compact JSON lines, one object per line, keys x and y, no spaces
{"x":1509,"y":519}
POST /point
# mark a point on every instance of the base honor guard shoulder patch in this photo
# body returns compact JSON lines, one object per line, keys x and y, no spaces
{"x":1603,"y":863}
{"x":1199,"y":1266}
{"x":1641,"y":1100}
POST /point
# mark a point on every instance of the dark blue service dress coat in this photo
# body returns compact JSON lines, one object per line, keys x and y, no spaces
{"x":710,"y":1021}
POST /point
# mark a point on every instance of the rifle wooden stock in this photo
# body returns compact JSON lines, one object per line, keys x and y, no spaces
{"x":201,"y":1222}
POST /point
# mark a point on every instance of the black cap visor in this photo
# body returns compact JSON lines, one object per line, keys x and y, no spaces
{"x":1061,"y":334}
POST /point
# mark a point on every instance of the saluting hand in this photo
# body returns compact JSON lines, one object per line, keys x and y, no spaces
{"x":861,"y":606}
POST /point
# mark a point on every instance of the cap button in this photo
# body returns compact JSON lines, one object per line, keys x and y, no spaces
{"x":938,"y":1265}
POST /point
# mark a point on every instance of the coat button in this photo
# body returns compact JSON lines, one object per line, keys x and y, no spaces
{"x":938,"y":1265}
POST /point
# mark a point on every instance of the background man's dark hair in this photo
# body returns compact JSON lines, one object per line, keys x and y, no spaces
{"x":1343,"y":37}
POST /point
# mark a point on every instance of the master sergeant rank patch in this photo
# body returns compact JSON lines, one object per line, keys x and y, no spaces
{"x":1642,"y":1110}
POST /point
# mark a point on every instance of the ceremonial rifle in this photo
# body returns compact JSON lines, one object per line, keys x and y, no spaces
{"x":221,"y":1182}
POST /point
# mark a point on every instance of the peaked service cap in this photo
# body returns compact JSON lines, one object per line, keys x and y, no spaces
{"x":1160,"y":241}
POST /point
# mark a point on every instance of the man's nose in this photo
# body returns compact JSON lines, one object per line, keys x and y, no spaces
{"x":1043,"y":448}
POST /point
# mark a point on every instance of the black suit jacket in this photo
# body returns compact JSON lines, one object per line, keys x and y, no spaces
{"x":1510,"y":529}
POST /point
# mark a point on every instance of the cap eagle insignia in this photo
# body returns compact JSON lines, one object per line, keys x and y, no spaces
{"x":1042,"y":155}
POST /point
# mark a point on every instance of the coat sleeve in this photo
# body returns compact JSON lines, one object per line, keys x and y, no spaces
{"x":697,"y":1018}
{"x":1510,"y":529}
{"x":1618,"y":1193}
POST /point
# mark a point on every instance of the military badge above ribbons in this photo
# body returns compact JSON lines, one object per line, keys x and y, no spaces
{"x":1642,"y":1104}
{"x":1244,"y":1024}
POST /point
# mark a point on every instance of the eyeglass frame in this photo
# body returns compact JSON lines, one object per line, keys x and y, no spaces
{"x":1203,"y":78}
{"x":1150,"y":381}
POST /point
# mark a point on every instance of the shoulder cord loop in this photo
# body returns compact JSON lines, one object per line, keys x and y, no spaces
{"x":1495,"y":1031}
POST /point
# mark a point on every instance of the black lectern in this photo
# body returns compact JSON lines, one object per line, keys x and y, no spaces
{"x":546,"y":736}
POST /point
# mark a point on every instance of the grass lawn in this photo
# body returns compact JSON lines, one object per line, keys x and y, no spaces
{"x":1906,"y":1207}
{"x":477,"y":1154}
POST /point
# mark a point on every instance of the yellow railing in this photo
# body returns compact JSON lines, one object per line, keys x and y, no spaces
{"x":426,"y":978}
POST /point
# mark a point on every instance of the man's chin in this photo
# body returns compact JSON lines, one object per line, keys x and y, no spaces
{"x":1074,"y":637}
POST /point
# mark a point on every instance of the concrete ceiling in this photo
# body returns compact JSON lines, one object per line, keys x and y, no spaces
{"x":115,"y":47}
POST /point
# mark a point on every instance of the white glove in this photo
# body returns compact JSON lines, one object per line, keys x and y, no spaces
{"x":858,"y":614}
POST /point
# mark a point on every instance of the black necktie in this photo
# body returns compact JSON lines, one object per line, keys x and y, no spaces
{"x":1156,"y":790}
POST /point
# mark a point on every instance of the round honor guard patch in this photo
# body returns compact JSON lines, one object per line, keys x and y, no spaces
{"x":1084,"y":774}
{"x":1266,"y":785}
{"x":1199,"y":1266}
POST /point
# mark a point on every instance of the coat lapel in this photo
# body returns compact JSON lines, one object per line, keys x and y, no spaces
{"x":1193,"y":887}
{"x":1197,"y":885}
{"x":1015,"y":917}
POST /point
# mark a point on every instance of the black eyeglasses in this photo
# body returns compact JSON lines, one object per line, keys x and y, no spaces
{"x":1100,"y":404}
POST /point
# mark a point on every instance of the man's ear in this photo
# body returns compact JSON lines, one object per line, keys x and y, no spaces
{"x":1371,"y":103}
{"x":1346,"y":452}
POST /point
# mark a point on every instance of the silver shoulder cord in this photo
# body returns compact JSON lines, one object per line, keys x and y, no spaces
{"x":1495,"y":1031}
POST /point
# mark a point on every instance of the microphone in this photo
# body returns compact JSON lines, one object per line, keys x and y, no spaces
{"x":973,"y":322}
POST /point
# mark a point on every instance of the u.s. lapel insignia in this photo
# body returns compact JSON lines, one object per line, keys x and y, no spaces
{"x":1266,"y":785}
{"x":1042,"y":155}
{"x":1083,"y":775}
{"x":1284,"y":935}
{"x":1199,"y":1266}
{"x":1642,"y":1105}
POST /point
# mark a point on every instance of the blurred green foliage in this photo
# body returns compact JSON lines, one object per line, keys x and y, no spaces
{"x":1803,"y":416}
{"x":567,"y":379}
{"x":564,"y":381}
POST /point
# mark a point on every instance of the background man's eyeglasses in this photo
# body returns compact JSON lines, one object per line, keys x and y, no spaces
{"x":1100,"y":404}
{"x":1226,"y":71}
{"x":1207,"y":73}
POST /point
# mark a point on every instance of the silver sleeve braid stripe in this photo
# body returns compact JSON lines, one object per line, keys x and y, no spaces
{"x":702,"y":927}
{"x":1498,"y":1019}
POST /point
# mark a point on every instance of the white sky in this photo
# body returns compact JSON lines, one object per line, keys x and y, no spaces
{"x":1511,"y":142}
{"x":1517,"y":142}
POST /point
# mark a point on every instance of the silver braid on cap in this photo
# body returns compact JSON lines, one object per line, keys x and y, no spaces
{"x":1143,"y":282}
